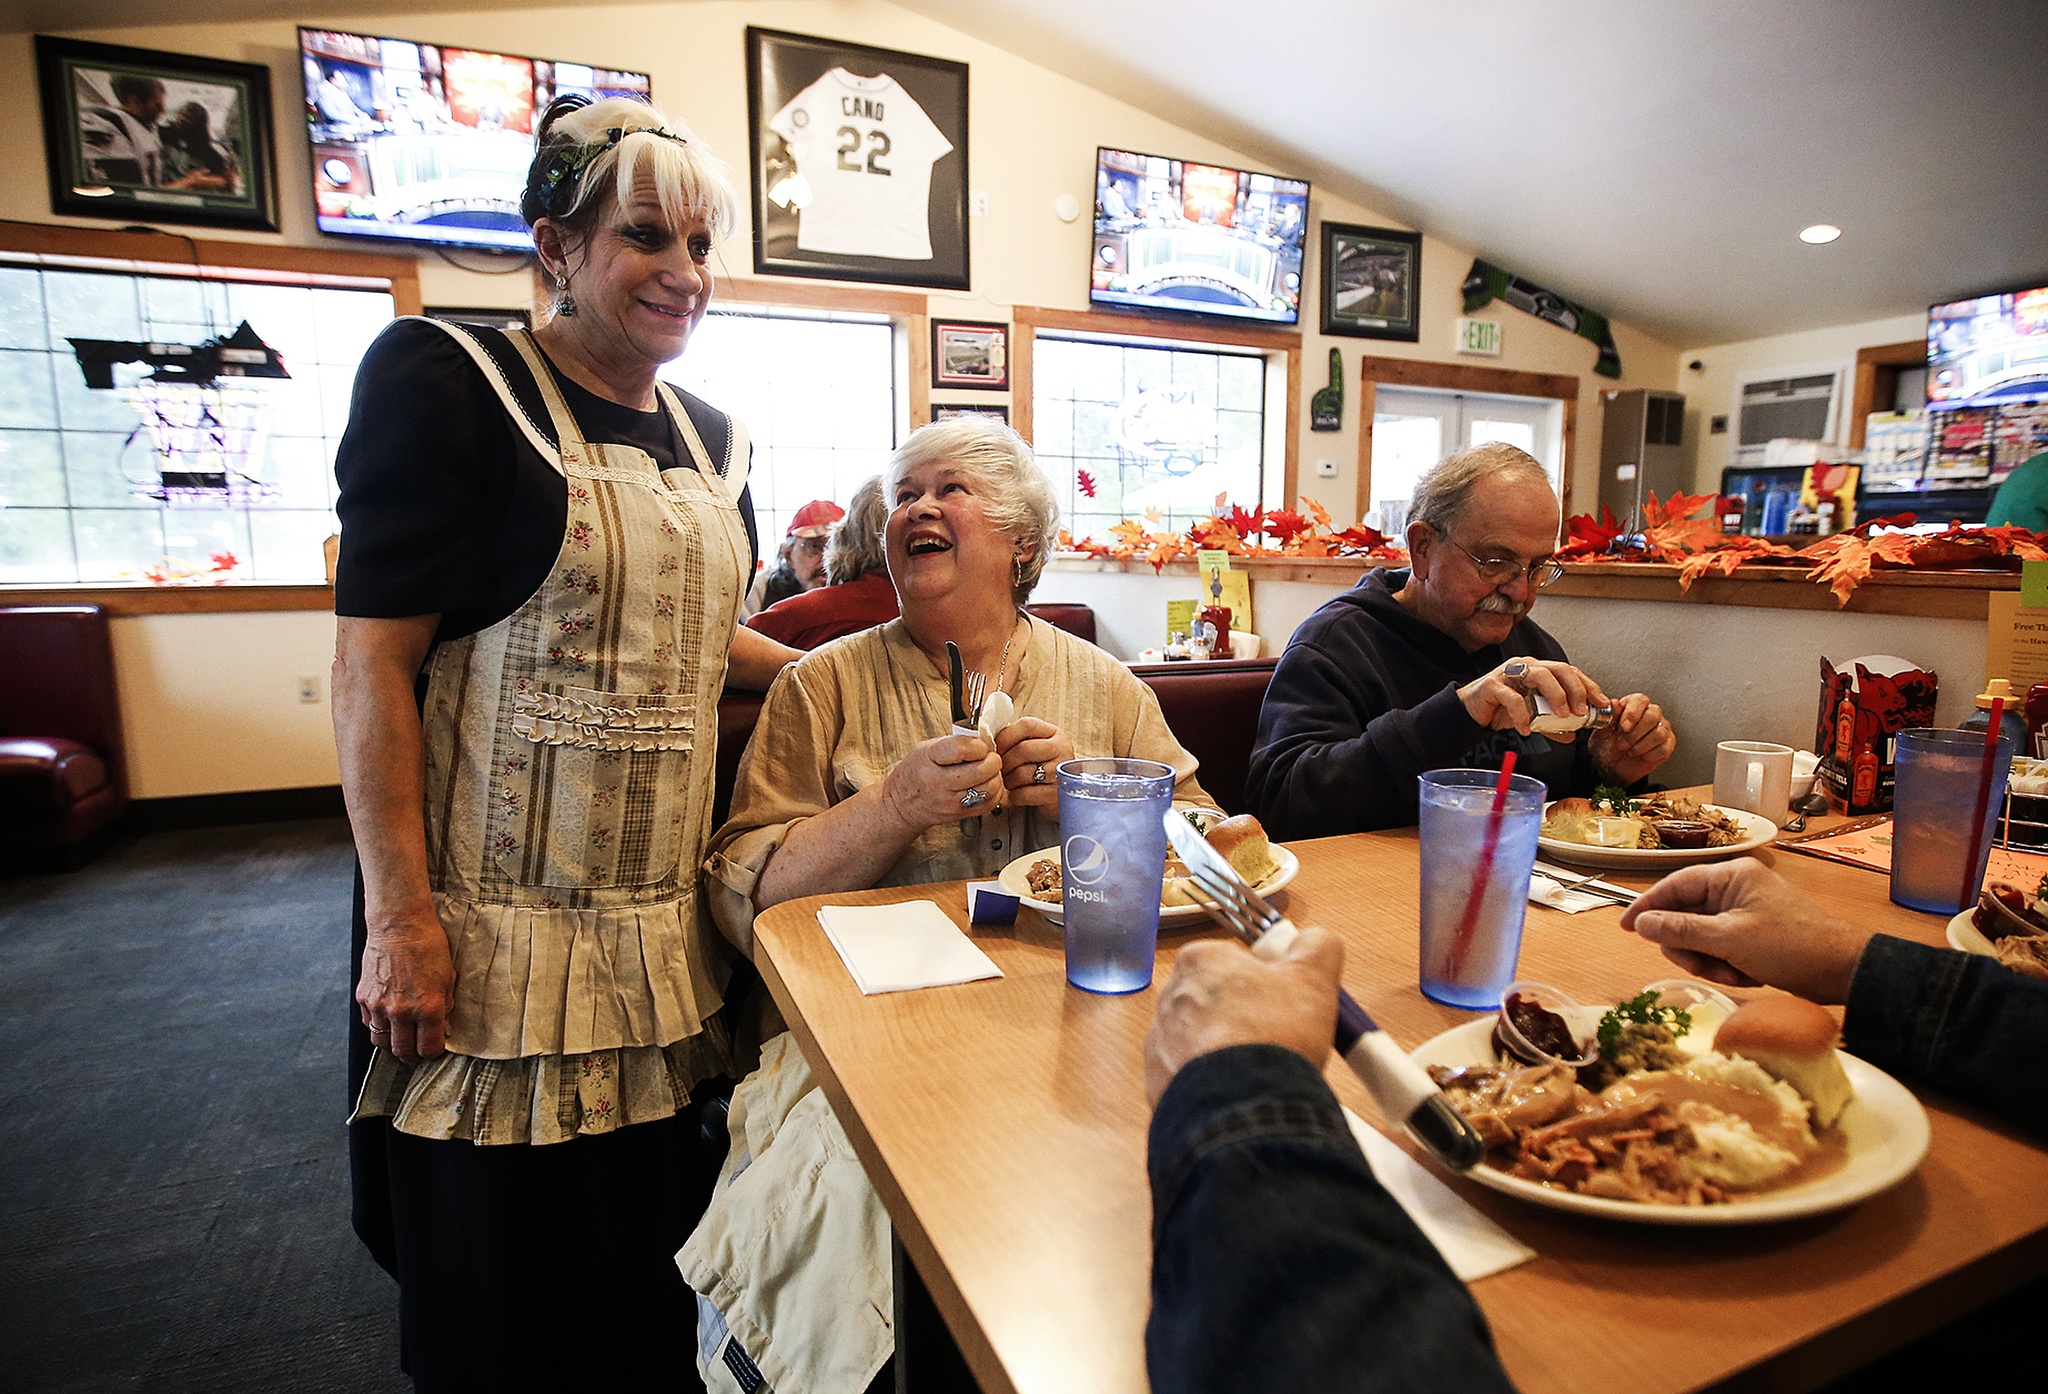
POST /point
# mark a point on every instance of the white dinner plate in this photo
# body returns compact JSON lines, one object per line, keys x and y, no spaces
{"x":1887,"y":1136}
{"x":1757,"y":832}
{"x":1966,"y":936}
{"x":1013,"y":879}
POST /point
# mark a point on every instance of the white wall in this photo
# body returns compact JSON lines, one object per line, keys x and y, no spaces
{"x":210,"y":703}
{"x":1711,"y":391}
{"x":1721,"y":672}
{"x":223,"y":721}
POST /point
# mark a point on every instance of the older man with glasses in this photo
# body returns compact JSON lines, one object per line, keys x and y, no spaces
{"x":1409,"y":670}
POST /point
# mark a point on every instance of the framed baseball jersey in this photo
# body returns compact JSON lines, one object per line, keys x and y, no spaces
{"x":859,"y":162}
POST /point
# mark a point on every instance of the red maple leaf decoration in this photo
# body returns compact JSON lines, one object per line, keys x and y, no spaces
{"x":1085,"y":482}
{"x":1283,"y":525}
{"x":1587,"y":537}
{"x":1246,"y":524}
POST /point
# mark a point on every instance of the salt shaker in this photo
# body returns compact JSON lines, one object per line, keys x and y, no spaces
{"x":1544,"y":721}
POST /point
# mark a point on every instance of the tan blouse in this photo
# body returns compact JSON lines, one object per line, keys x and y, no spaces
{"x":841,"y":718}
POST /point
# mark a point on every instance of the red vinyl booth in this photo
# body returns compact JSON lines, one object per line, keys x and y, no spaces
{"x":63,"y":771}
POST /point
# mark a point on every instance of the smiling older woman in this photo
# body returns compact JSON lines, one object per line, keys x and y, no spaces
{"x":542,"y":559}
{"x":853,"y":779}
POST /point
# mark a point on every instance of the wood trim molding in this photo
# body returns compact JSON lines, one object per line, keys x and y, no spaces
{"x":910,"y":310}
{"x":124,"y":601}
{"x":1877,"y":376}
{"x":1464,"y":377}
{"x":1030,"y":319}
{"x":175,"y":253}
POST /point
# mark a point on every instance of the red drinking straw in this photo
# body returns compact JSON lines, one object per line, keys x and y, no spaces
{"x":1461,"y":941}
{"x":1968,"y":898}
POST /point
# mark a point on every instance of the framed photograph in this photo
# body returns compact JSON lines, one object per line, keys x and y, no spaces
{"x":970,"y":353}
{"x":1371,"y":278}
{"x":141,"y":136}
{"x":859,"y":162}
{"x":946,"y":411}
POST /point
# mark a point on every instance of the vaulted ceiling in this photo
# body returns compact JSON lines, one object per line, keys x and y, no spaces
{"x":1653,"y":160}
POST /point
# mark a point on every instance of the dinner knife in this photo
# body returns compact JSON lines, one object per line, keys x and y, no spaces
{"x":955,"y":676}
{"x":1398,"y":1085}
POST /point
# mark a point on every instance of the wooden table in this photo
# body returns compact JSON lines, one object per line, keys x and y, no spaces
{"x":1003,"y":1123}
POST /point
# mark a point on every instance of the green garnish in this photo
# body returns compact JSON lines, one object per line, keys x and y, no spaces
{"x":1617,"y":800}
{"x":1194,"y":819}
{"x":1639,"y":1010}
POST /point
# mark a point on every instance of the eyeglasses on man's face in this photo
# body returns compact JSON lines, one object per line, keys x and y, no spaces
{"x":1498,"y":571}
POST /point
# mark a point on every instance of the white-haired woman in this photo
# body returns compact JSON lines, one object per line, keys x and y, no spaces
{"x":853,"y":779}
{"x":542,"y":559}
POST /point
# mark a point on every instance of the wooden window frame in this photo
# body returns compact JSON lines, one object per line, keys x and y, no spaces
{"x":1030,"y":319}
{"x":175,"y":254}
{"x":1877,"y":379}
{"x":1375,"y":373}
{"x":909,"y":311}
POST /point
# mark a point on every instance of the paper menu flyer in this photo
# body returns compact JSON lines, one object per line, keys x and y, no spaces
{"x":1867,"y":842}
{"x":2016,"y":641}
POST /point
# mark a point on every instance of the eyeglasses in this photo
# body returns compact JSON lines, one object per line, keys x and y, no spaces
{"x":1498,"y":571}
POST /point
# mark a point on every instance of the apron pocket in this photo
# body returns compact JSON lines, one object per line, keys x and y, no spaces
{"x":613,"y":786}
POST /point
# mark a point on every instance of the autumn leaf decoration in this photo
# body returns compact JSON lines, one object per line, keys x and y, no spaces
{"x":1085,"y":482}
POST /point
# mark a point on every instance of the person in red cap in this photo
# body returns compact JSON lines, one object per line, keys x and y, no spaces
{"x":799,"y":562}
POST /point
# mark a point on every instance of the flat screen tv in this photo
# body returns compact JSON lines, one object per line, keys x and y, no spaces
{"x":426,"y":143}
{"x":1990,"y":351}
{"x":1197,"y":239}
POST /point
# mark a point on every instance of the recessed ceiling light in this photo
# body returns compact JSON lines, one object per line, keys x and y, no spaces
{"x":1819,"y":233}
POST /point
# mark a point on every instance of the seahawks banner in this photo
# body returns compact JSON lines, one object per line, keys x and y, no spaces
{"x":1485,"y":283}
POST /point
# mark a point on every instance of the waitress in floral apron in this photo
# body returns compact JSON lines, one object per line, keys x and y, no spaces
{"x":543,"y":553}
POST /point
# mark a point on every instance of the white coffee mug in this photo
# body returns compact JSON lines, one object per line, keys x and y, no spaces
{"x":1755,"y":776}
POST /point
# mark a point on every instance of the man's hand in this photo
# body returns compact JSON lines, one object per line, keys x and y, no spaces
{"x":1222,"y":995}
{"x":1638,"y":742}
{"x":1741,"y":924}
{"x":1499,"y":706}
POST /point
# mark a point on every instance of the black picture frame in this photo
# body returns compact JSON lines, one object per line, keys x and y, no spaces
{"x":972,"y":354}
{"x":1371,"y":282}
{"x":948,"y":411}
{"x":190,"y":143}
{"x":869,"y":231}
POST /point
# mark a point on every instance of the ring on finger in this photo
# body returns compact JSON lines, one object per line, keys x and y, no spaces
{"x":973,"y":798}
{"x":1038,"y":773}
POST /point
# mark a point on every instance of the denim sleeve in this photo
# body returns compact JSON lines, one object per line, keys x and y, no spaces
{"x":1279,"y":1262}
{"x":1960,"y":1023}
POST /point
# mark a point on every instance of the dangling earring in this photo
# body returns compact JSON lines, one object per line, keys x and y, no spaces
{"x":565,"y":303}
{"x":1017,"y":570}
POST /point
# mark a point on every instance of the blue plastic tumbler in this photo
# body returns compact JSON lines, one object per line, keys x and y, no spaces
{"x":1457,"y":805}
{"x":1112,"y":862}
{"x":1940,"y":801}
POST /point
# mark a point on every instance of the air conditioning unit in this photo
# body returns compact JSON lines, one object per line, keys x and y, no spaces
{"x":1786,"y":406}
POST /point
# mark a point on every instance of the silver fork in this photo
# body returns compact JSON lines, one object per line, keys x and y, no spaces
{"x":1404,"y":1093}
{"x":973,"y":693}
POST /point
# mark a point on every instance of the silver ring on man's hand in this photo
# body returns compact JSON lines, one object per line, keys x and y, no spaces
{"x":1038,"y":773}
{"x":973,"y":798}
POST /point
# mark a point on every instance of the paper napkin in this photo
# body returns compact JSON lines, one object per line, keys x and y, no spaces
{"x":1474,"y":1246}
{"x":891,"y":948}
{"x":1544,"y":889}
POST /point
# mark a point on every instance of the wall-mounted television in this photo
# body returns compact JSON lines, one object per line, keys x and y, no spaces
{"x":428,"y":143}
{"x":1987,"y":352}
{"x":1194,"y":238}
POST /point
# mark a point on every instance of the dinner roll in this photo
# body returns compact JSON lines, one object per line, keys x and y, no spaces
{"x":1567,"y":817}
{"x":1242,"y":841}
{"x":1794,"y":1040}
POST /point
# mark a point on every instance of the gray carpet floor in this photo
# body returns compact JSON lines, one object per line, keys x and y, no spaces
{"x":173,"y":1174}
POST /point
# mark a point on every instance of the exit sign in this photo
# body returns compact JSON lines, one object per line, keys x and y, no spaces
{"x":1479,"y":336}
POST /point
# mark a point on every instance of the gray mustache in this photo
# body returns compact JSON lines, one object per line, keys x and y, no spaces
{"x":1498,"y":604}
